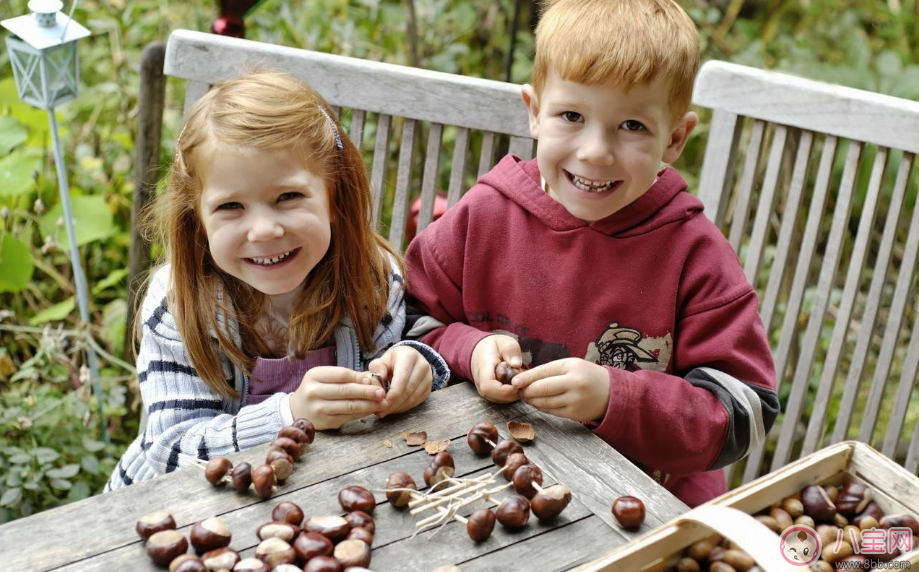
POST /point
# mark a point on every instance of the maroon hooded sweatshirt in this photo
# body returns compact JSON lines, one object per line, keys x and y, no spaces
{"x":654,"y":293}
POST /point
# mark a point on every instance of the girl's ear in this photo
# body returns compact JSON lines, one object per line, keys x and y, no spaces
{"x":531,"y":101}
{"x":679,"y":136}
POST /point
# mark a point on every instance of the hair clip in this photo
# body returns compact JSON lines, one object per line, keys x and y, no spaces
{"x":334,"y":129}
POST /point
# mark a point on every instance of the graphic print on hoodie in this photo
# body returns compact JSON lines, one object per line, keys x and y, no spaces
{"x":654,"y":293}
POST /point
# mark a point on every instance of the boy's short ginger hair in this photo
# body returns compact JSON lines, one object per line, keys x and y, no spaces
{"x":623,"y":43}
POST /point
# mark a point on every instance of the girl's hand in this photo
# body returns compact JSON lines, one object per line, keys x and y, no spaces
{"x":331,"y":396}
{"x":410,"y":378}
{"x":571,"y":388}
{"x":486,"y":356}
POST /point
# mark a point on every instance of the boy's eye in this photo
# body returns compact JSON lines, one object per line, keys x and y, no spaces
{"x":571,"y":116}
{"x":229,"y":206}
{"x":289,"y":195}
{"x":633,"y":125}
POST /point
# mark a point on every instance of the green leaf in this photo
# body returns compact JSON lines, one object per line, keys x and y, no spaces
{"x":92,"y":220}
{"x":21,"y":459}
{"x":61,"y":484}
{"x":888,"y":64}
{"x":93,"y":446}
{"x":90,"y":464}
{"x":16,"y":173}
{"x":16,"y":264}
{"x":55,"y":313}
{"x":114,"y":278}
{"x":11,"y":497}
{"x":79,"y":491}
{"x":45,"y":455}
{"x":12,"y":134}
{"x":65,"y":472}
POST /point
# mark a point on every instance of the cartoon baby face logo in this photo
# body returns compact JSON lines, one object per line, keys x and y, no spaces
{"x":800,"y":545}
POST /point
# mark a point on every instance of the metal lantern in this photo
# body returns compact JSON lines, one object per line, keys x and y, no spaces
{"x":43,"y":51}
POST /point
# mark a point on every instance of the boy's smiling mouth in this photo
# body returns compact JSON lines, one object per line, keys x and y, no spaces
{"x":272,"y":260}
{"x":591,"y":185}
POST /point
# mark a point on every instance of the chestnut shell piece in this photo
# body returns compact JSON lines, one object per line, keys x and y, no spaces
{"x":629,"y":511}
{"x":355,"y":497}
{"x":521,"y":432}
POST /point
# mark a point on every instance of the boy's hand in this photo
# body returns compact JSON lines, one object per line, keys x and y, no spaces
{"x":332,"y":396}
{"x":486,"y":356}
{"x":410,"y":378}
{"x":571,"y":388}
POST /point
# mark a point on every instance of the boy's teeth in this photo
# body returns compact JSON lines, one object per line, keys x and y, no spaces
{"x":272,"y":260}
{"x":591,"y":186}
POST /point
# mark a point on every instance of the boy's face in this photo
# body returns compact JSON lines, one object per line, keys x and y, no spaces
{"x":600,"y":148}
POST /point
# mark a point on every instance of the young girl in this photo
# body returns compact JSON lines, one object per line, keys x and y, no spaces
{"x":278,"y":296}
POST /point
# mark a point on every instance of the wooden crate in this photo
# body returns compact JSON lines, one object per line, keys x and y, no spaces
{"x":895,"y":490}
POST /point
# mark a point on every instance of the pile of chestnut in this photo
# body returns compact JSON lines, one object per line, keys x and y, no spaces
{"x":714,"y":554}
{"x":328,"y":543}
{"x":291,"y":443}
{"x":849,"y":508}
{"x":514,"y":511}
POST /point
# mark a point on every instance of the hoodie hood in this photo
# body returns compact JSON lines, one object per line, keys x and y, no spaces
{"x":665,"y":202}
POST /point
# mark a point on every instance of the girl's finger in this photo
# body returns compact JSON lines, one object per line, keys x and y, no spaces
{"x":419,"y":385}
{"x":381,"y":367}
{"x":353,"y":408}
{"x":403,"y":363}
{"x":347,"y":391}
{"x":333,"y":374}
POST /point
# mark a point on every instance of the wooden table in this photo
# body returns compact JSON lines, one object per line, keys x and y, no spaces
{"x":97,"y":534}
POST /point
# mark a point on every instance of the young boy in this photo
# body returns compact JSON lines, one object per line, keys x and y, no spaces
{"x":597,"y":268}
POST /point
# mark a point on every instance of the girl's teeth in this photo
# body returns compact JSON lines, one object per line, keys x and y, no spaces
{"x":272,"y":260}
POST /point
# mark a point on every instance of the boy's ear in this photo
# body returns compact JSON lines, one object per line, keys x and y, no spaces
{"x":679,"y":136}
{"x":531,"y":101}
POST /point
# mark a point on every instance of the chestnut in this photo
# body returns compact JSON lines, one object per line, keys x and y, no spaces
{"x":283,"y":530}
{"x":251,"y":565}
{"x":216,"y":469}
{"x":399,"y":498}
{"x":480,"y":524}
{"x":873,"y":510}
{"x":186,"y":563}
{"x":549,"y":503}
{"x":687,"y":565}
{"x":505,"y":372}
{"x":739,"y":560}
{"x":867,"y":522}
{"x":359,"y":518}
{"x":793,"y":507}
{"x":853,"y":498}
{"x":165,"y":545}
{"x":298,"y":436}
{"x":323,"y":564}
{"x":513,"y":462}
{"x":150,"y":524}
{"x":281,"y":463}
{"x":629,"y":511}
{"x":356,"y":497}
{"x":352,"y":553}
{"x":782,"y":519}
{"x":769,"y":522}
{"x":514,"y":512}
{"x":289,"y":446}
{"x":307,"y":427}
{"x":220,"y":559}
{"x":312,"y":544}
{"x":527,"y":480}
{"x":504,"y":449}
{"x":700,"y":550}
{"x":334,"y":528}
{"x":264,"y":480}
{"x":360,"y":533}
{"x":821,"y":566}
{"x":275,"y":551}
{"x":440,"y":469}
{"x":720,"y":567}
{"x":241,"y":477}
{"x":817,"y":504}
{"x":482,"y":438}
{"x":900,"y":521}
{"x":287,"y":512}
{"x":806,"y":521}
{"x":287,"y":568}
{"x":210,"y":534}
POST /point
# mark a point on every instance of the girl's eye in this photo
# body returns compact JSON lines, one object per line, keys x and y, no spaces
{"x":632,"y":125}
{"x":229,"y":206}
{"x":571,"y":116}
{"x":289,"y":195}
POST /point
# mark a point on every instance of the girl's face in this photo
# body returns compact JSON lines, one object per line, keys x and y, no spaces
{"x":266,"y":216}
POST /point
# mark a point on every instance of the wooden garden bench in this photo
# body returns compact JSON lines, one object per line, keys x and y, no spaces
{"x":838,"y":302}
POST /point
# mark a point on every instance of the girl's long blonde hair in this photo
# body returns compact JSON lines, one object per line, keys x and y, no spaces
{"x":269,"y":110}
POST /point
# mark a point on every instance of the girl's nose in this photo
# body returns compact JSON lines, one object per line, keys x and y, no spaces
{"x":265,"y":227}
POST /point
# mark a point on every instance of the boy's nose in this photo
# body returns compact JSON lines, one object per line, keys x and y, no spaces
{"x":265,"y":228}
{"x":596,"y":148}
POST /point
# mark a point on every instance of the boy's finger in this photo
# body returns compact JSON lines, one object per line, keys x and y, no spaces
{"x":494,"y":390}
{"x":527,"y":377}
{"x":545,"y":387}
{"x":348,"y":391}
{"x":546,"y":403}
{"x":509,"y":350}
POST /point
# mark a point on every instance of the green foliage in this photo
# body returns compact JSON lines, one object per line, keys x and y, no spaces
{"x":50,"y":446}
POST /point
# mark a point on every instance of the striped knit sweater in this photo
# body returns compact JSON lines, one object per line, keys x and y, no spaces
{"x":186,"y":419}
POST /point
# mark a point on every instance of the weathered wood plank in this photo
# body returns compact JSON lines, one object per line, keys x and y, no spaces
{"x":194,"y":90}
{"x":429,"y":179}
{"x":356,"y":129}
{"x":718,"y":164}
{"x":487,"y":156}
{"x":378,"y":171}
{"x":760,"y":233}
{"x":808,"y":104}
{"x":522,"y":147}
{"x":456,"y":190}
{"x":403,"y":182}
{"x":745,"y":187}
{"x":351,"y":82}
